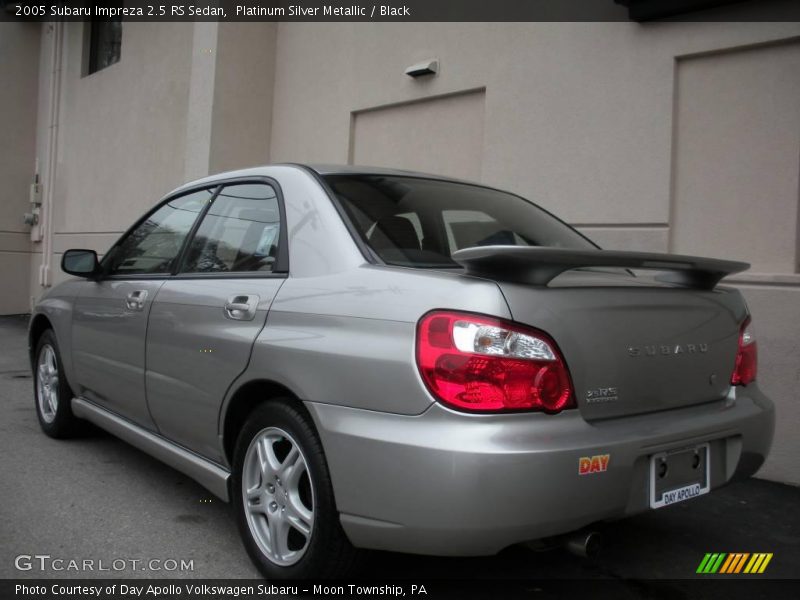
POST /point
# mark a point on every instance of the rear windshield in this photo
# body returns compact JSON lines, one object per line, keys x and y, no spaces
{"x":417,"y":222}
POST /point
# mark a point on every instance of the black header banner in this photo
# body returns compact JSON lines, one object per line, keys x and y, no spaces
{"x":404,"y":10}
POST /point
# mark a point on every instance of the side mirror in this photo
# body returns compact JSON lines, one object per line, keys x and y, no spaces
{"x":81,"y":263}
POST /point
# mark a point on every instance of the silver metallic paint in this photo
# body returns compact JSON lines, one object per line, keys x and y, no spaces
{"x":594,"y":331}
{"x":450,"y":483}
{"x":189,"y":332}
{"x":108,"y":346}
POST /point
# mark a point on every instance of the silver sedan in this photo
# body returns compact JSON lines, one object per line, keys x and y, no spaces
{"x":376,"y":359}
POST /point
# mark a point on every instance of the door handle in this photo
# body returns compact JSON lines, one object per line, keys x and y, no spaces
{"x":242,"y":307}
{"x":135,"y":300}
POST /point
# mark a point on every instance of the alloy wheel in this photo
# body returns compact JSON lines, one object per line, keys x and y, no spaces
{"x":278,"y":496}
{"x":47,"y":383}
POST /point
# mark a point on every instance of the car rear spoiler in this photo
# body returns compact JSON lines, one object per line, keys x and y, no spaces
{"x":539,"y":266}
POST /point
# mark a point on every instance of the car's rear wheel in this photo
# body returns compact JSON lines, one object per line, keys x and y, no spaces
{"x":284,"y":499}
{"x":51,"y":390}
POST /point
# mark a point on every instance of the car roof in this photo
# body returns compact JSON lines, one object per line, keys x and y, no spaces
{"x":321,"y":169}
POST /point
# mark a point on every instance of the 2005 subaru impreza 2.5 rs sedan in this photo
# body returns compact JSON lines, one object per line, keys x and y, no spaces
{"x":366,"y":358}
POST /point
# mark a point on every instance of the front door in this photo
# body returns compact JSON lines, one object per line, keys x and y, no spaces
{"x":110,"y":315}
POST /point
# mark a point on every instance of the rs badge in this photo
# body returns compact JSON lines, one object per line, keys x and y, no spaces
{"x":593,"y":464}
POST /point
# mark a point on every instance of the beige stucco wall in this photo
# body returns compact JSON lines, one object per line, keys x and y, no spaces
{"x":587,"y":119}
{"x":578,"y":115}
{"x":167,"y":112}
{"x":121,"y":133}
{"x":242,"y":113}
{"x":19,"y":49}
{"x":420,"y":134}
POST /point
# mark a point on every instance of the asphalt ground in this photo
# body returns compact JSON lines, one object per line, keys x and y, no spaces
{"x":100,"y":499}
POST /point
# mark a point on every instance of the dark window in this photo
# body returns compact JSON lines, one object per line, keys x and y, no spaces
{"x":154,"y":244}
{"x":420,"y":222}
{"x":239,"y":233}
{"x":105,"y":44}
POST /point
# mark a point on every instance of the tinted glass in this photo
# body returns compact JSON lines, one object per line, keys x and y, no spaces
{"x":420,"y":222}
{"x":239,"y":233}
{"x":153,"y":246}
{"x":105,"y":43}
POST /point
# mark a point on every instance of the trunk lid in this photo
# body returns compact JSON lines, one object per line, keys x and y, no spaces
{"x":633,"y":344}
{"x":633,"y":349}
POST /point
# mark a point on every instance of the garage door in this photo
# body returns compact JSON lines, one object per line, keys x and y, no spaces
{"x":737,"y":152}
{"x":442,"y":135}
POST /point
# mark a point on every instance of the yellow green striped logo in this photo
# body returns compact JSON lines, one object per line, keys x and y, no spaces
{"x":734,"y":562}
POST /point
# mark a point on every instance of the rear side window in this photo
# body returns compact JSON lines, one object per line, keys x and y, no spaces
{"x":417,"y":222}
{"x":239,"y":233}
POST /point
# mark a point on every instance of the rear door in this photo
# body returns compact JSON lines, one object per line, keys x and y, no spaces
{"x":110,"y":315}
{"x":205,"y":319}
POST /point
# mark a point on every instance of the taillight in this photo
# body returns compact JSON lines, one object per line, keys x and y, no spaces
{"x":483,"y":364}
{"x":746,"y":357}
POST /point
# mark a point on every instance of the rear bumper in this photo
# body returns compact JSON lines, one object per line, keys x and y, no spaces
{"x":448,"y":483}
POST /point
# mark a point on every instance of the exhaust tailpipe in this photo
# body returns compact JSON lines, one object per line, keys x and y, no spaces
{"x":585,"y":544}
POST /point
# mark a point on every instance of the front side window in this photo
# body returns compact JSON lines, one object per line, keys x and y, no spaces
{"x":417,"y":222}
{"x":153,"y":246}
{"x":239,"y":233}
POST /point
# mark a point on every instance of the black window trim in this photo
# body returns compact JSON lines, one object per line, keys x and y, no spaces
{"x":281,"y":270}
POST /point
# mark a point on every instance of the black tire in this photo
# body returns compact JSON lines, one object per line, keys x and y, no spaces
{"x":58,"y":423}
{"x":327,"y":552}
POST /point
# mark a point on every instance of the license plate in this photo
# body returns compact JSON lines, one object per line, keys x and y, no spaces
{"x":678,"y":475}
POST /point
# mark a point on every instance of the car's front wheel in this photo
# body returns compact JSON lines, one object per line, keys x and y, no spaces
{"x":51,"y":390}
{"x":284,"y":499}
